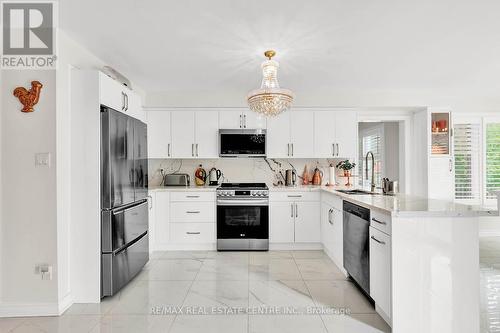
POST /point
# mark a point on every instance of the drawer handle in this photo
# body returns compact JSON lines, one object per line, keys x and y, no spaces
{"x":193,"y":233}
{"x":295,"y":196}
{"x":192,"y":196}
{"x":381,"y":222}
{"x":378,"y":241}
{"x":193,"y":212}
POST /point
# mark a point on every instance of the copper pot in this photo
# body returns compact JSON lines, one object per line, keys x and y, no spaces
{"x":317,"y":177}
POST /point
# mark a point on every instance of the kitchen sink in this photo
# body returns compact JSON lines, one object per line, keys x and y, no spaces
{"x":358,"y":192}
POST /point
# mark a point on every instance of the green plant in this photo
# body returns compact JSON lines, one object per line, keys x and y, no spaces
{"x":346,"y":165}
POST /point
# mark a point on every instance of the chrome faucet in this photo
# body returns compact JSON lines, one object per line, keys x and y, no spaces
{"x":372,"y":184}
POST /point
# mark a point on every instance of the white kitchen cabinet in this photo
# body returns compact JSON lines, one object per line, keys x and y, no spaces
{"x":441,"y":178}
{"x":120,"y":98}
{"x":234,"y":119}
{"x":335,"y":134}
{"x":278,"y":136}
{"x":307,"y":222}
{"x":380,"y":270}
{"x":159,"y":134}
{"x":290,"y":135}
{"x":183,"y":137}
{"x":296,"y":220}
{"x":301,"y":134}
{"x":152,"y":221}
{"x":281,"y":222}
{"x":332,"y":232}
{"x":161,"y":205}
{"x":206,"y":134}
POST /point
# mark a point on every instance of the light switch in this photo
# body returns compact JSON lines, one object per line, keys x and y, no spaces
{"x":42,"y":160}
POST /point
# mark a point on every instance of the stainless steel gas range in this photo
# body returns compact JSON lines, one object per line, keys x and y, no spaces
{"x":243,"y":216}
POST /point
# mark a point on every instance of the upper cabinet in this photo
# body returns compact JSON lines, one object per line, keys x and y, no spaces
{"x":440,"y":133}
{"x":116,"y":96}
{"x":335,"y":134}
{"x":159,"y":134}
{"x":290,"y":135}
{"x":234,"y":119}
{"x":183,"y":134}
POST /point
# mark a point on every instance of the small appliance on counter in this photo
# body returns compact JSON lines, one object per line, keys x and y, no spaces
{"x":290,"y":177}
{"x":390,"y":186}
{"x":177,"y":179}
{"x":213,"y":176}
{"x":200,"y":176}
{"x":317,"y":177}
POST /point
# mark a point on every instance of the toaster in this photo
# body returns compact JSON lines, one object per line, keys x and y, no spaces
{"x":177,"y":179}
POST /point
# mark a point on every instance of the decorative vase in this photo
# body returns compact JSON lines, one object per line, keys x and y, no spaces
{"x":347,"y":173}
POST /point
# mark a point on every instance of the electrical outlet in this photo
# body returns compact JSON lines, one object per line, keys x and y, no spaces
{"x":44,"y":270}
{"x":42,"y":160}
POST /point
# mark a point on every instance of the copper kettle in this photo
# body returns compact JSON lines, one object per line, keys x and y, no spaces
{"x":317,"y":178}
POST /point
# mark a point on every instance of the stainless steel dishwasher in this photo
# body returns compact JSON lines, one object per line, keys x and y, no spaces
{"x":356,"y":244}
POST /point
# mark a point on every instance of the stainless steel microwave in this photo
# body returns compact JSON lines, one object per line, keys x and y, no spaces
{"x":242,"y":143}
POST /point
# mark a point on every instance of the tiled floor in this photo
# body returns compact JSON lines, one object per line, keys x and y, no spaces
{"x":489,"y":250}
{"x":207,"y":284}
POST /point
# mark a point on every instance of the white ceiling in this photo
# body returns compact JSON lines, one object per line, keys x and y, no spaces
{"x":217,"y":45}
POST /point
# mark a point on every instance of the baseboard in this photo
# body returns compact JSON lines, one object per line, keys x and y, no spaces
{"x":295,"y":246}
{"x":28,"y":309}
{"x":65,"y":303}
{"x":185,"y":247}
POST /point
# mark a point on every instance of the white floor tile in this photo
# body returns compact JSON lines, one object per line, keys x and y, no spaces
{"x":284,"y":293}
{"x":62,"y":324}
{"x":172,"y":269}
{"x":361,"y":323}
{"x":8,"y":324}
{"x":210,"y":324}
{"x":134,"y":324}
{"x":319,"y":269}
{"x":285,"y":324}
{"x":217,"y":294}
{"x":275,"y":269}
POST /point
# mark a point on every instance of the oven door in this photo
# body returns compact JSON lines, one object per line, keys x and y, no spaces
{"x":243,"y":218}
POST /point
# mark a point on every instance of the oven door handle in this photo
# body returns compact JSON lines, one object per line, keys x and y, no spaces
{"x":243,"y":202}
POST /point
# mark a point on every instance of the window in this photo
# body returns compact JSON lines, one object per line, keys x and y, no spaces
{"x":477,"y":160}
{"x":370,"y":140}
{"x":492,"y":159}
{"x":467,"y":162}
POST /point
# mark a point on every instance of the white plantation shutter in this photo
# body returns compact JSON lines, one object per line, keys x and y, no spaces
{"x":373,"y":143}
{"x":492,"y":139}
{"x":467,"y":148}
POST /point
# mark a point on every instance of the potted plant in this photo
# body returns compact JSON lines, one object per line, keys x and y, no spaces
{"x":346,"y":166}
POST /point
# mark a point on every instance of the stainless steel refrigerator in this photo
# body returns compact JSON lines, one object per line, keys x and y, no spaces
{"x":124,"y":207}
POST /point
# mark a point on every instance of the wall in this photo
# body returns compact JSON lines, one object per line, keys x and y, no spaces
{"x":28,"y":215}
{"x":238,"y":169}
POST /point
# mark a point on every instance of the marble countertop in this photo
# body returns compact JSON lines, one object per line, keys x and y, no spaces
{"x":183,"y":188}
{"x":400,"y":205}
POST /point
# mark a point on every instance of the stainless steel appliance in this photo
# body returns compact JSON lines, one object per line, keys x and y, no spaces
{"x":213,"y":176}
{"x":124,"y":208}
{"x":356,"y":244}
{"x":242,"y":142}
{"x":177,"y":179}
{"x":290,"y":177}
{"x":243,"y":216}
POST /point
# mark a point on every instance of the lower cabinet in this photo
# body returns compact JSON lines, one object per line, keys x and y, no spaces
{"x":294,"y":221}
{"x":332,"y":230}
{"x":380,"y":270}
{"x":161,"y":207}
{"x":192,"y":233}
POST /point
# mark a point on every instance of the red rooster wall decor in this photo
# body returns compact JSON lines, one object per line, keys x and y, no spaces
{"x":29,"y":98}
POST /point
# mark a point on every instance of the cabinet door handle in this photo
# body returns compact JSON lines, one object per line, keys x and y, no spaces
{"x":338,"y":150}
{"x":291,"y":207}
{"x":193,"y":212}
{"x":292,"y":149}
{"x":196,"y":150}
{"x":333,"y":149}
{"x":192,"y":149}
{"x":192,"y":196}
{"x":296,"y":210}
{"x":126,"y":99}
{"x":295,"y":196}
{"x":451,"y":165}
{"x":150,"y":202}
{"x":168,"y":150}
{"x":330,"y":216}
{"x":245,"y":121}
{"x":378,"y":241}
{"x":192,"y":232}
{"x":380,"y":222}
{"x":241,"y":121}
{"x":123,"y":101}
{"x":288,"y":149}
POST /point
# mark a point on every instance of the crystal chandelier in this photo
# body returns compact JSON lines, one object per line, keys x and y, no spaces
{"x":270,"y":99}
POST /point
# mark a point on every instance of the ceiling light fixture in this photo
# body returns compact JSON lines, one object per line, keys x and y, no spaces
{"x":270,"y":99}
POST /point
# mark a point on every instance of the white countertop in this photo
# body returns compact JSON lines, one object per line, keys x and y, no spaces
{"x":400,"y":205}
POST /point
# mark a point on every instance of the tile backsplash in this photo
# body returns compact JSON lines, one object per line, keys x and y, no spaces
{"x":238,"y":169}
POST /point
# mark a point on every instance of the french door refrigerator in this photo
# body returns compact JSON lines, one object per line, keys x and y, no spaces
{"x":124,"y":207}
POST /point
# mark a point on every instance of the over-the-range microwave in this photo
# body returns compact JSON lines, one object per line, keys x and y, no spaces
{"x":242,"y":143}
